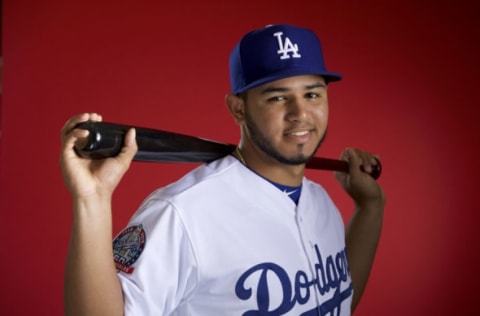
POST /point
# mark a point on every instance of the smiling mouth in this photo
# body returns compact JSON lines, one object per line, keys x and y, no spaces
{"x":300,"y":133}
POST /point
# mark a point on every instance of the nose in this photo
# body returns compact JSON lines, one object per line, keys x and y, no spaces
{"x":297,"y":109}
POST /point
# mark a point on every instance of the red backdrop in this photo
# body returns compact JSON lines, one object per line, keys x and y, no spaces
{"x":409,"y":94}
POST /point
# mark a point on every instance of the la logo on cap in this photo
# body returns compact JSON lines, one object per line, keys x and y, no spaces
{"x":273,"y":53}
{"x":286,"y":47}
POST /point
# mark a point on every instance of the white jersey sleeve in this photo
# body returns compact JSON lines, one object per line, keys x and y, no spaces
{"x":161,"y":270}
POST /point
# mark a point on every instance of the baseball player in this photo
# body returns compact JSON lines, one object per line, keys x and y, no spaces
{"x":247,"y":234}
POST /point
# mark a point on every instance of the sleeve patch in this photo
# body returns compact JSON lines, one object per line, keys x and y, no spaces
{"x":127,"y":248}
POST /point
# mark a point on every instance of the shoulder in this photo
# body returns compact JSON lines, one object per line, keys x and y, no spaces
{"x":315,"y":193}
{"x":312,"y":186}
{"x":205,"y":178}
{"x":206,"y":174}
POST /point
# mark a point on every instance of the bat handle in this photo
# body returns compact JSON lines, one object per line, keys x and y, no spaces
{"x":341,"y":165}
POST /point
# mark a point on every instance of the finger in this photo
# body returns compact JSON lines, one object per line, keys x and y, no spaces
{"x":130,"y":140}
{"x":341,"y":175}
{"x":373,"y":162}
{"x":366,"y":161}
{"x":130,"y":146}
{"x":370,"y":162}
{"x":354,"y":161}
{"x":73,"y":121}
{"x":70,"y":140}
{"x":73,"y":137}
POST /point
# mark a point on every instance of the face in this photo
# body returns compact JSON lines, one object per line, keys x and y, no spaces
{"x":287,"y":119}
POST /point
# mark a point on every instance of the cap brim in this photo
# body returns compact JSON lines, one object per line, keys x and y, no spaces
{"x":327,"y":75}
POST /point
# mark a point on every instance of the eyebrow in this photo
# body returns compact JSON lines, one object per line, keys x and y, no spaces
{"x":284,"y":89}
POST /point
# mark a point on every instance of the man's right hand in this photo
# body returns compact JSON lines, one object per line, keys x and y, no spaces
{"x":86,"y":177}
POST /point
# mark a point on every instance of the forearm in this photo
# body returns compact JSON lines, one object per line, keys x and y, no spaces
{"x":91,"y":283}
{"x":362,"y":237}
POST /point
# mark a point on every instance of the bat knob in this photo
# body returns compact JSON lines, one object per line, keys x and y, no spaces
{"x":376,"y":170}
{"x":103,"y":140}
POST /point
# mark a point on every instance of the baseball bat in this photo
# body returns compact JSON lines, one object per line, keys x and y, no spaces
{"x":106,"y":140}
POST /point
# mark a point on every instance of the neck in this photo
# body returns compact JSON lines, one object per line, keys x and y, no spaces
{"x":269,"y":168}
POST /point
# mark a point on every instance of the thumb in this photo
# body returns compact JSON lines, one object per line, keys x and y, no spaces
{"x":130,"y":147}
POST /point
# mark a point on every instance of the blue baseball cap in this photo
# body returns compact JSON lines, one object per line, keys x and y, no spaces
{"x":276,"y":52}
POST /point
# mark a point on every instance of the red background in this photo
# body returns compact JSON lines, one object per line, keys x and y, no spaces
{"x":410,"y":93}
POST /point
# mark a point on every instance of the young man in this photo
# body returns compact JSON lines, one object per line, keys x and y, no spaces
{"x":247,"y":234}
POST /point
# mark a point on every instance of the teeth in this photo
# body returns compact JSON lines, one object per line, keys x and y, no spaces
{"x":299,"y":133}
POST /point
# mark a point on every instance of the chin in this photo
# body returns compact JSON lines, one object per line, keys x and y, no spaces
{"x":298,"y":159}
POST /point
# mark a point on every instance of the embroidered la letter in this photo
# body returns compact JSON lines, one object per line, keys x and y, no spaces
{"x":286,"y":47}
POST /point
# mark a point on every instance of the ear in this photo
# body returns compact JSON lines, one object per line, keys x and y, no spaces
{"x":236,"y":106}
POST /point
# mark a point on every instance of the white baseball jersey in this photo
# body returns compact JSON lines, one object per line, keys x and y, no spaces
{"x":224,"y":241}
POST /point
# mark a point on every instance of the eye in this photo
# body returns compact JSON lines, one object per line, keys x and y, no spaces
{"x":312,"y":95}
{"x":277,"y":98}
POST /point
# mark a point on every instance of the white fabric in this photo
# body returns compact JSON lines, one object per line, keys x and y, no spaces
{"x":224,"y":241}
